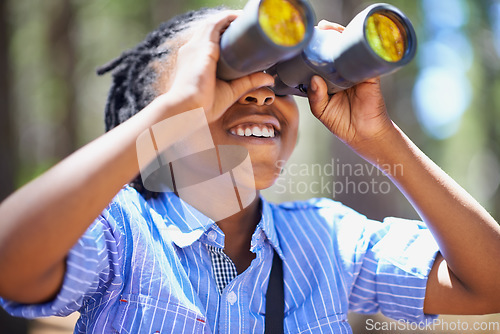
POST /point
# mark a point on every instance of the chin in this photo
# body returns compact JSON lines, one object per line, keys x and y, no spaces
{"x":264,"y":185}
{"x":264,"y":180}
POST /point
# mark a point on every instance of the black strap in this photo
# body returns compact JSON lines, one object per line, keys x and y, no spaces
{"x":275,"y":298}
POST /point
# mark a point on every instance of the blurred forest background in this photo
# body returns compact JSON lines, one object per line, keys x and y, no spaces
{"x":446,"y":100}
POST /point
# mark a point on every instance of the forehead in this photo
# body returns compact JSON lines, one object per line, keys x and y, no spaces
{"x":164,"y":67}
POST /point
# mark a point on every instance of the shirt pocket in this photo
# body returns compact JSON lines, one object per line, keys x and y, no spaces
{"x":143,"y":314}
{"x":336,"y":323}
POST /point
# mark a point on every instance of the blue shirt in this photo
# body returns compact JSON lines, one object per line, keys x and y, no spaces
{"x":144,"y":267}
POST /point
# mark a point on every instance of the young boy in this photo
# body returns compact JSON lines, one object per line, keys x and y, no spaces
{"x":151,"y":264}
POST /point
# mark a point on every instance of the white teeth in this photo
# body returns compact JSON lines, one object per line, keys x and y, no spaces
{"x":266,"y":131}
{"x":256,"y":131}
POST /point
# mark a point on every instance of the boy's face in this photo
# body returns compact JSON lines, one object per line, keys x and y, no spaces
{"x":266,"y":125}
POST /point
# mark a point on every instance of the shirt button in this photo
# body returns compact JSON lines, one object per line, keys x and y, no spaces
{"x":212,"y":235}
{"x":231,"y":297}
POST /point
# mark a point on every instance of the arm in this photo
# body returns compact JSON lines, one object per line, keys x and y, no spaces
{"x":464,"y":278}
{"x":45,"y":218}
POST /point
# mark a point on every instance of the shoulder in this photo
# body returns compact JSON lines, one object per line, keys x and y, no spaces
{"x":127,"y":215}
{"x":314,"y":204}
{"x":329,"y":219}
{"x":126,"y":200}
{"x":128,"y":205}
{"x":343,"y":225}
{"x":112,"y":228}
{"x":321,"y":210}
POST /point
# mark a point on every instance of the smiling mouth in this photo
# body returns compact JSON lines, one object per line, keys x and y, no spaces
{"x":254,"y":130}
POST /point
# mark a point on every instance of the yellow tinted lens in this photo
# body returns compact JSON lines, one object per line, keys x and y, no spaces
{"x":282,"y":22}
{"x":385,"y":37}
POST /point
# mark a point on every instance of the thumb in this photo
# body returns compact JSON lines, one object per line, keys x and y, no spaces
{"x":318,"y":96}
{"x":250,"y":82}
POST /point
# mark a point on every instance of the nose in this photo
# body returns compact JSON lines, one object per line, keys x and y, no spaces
{"x":261,"y":96}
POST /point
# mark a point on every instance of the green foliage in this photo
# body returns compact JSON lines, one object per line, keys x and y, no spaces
{"x":102,"y":29}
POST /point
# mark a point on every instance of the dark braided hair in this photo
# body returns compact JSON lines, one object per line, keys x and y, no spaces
{"x":135,"y":74}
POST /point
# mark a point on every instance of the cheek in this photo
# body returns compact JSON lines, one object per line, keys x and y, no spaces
{"x":289,"y":145}
{"x":218,"y":134}
{"x":290,"y":141}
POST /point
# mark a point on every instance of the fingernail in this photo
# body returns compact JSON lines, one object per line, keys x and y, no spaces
{"x":314,"y":85}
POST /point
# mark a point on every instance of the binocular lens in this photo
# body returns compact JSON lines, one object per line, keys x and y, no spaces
{"x":386,"y":37}
{"x":282,"y":22}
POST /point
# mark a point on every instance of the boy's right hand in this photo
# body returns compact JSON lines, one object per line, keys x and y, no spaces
{"x":195,"y":74}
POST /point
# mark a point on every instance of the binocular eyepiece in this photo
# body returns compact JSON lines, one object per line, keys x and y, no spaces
{"x":279,"y":37}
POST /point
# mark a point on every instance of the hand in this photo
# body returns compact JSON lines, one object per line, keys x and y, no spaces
{"x":195,"y":78}
{"x":358,"y":115}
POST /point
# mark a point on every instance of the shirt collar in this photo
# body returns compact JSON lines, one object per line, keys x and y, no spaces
{"x":268,"y":227}
{"x":185,"y":224}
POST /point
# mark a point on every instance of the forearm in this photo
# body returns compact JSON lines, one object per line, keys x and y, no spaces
{"x":468,"y":237}
{"x":43,"y":220}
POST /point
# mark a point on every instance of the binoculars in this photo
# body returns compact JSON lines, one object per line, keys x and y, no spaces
{"x":279,"y":37}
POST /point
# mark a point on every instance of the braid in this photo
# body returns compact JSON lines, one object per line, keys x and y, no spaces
{"x":134,"y":77}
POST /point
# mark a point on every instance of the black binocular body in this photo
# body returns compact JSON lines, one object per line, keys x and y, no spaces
{"x":279,"y":37}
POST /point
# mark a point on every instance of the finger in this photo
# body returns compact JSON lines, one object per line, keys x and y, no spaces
{"x":212,"y":27}
{"x":210,"y":30}
{"x":375,"y":80}
{"x":318,"y":95}
{"x":220,"y":23}
{"x":327,"y":25}
{"x":250,"y":82}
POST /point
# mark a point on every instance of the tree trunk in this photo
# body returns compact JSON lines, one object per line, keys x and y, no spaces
{"x":8,"y":156}
{"x":62,"y":53}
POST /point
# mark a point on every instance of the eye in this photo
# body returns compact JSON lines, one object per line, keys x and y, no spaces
{"x":281,"y":95}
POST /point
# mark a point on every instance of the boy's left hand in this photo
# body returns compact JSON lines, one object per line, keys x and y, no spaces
{"x":358,"y":115}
